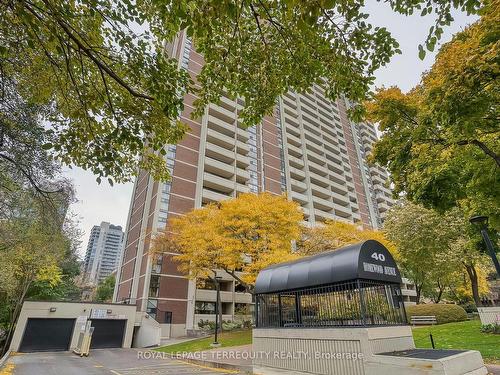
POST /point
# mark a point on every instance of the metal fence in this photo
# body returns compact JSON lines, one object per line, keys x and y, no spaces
{"x":353,"y":303}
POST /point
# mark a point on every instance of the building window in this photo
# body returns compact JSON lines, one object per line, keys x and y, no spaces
{"x":204,"y":307}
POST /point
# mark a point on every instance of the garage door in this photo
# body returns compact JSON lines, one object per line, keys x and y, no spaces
{"x":45,"y":334}
{"x":108,"y":333}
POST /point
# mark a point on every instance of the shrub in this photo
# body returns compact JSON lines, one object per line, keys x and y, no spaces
{"x":469,"y":307}
{"x":227,"y":325}
{"x":444,"y":313}
{"x":491,"y":328}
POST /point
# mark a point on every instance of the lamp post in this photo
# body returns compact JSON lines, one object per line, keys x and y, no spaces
{"x":217,"y":300}
{"x":482,"y":222}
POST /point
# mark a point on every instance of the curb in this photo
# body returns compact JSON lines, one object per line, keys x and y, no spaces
{"x":4,"y":358}
{"x":219,"y":365}
{"x":216,"y":365}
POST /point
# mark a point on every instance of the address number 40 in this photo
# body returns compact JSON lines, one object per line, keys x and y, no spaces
{"x":378,"y":256}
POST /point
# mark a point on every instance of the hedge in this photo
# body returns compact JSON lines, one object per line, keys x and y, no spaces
{"x":444,"y":313}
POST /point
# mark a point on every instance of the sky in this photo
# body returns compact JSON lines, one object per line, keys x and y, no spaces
{"x":102,"y":202}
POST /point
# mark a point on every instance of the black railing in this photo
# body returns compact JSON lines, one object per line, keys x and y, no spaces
{"x":353,"y":303}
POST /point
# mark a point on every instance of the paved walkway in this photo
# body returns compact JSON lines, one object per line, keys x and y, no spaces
{"x":103,"y":362}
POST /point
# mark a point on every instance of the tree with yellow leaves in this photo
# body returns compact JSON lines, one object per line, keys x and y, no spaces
{"x":240,"y":236}
{"x":335,"y":234}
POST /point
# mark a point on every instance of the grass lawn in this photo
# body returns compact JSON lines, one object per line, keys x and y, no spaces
{"x":234,"y":338}
{"x":461,"y":335}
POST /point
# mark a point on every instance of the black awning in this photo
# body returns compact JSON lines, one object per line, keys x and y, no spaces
{"x":369,"y":260}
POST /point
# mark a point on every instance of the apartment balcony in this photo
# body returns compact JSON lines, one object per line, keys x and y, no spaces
{"x":319,"y":180}
{"x":317,"y":168}
{"x":290,"y":110}
{"x":242,"y":135}
{"x":337,"y":177}
{"x":300,"y":198}
{"x":320,"y":191}
{"x":322,"y":204}
{"x":229,"y":103}
{"x":221,"y":126}
{"x":241,"y":188}
{"x":383,"y":207}
{"x":220,"y":139}
{"x":242,"y":173}
{"x":289,"y":102}
{"x":342,"y":211}
{"x":242,"y":148}
{"x":215,"y":182}
{"x":219,"y":168}
{"x":222,"y":113}
{"x":242,"y":298}
{"x":294,"y":150}
{"x":211,"y":295}
{"x":307,"y":100}
{"x":321,"y":215}
{"x":297,"y":185}
{"x":339,"y":188}
{"x":293,"y":130}
{"x":341,"y":199}
{"x":219,"y":153}
{"x":291,"y":120}
{"x":298,"y":174}
{"x":242,"y":161}
{"x":311,"y":146}
{"x":212,"y":196}
{"x":291,"y":139}
{"x":295,"y":162}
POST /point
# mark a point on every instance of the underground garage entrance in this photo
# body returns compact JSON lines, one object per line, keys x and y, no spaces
{"x":43,"y":335}
{"x":107,"y":333}
{"x":58,"y":326}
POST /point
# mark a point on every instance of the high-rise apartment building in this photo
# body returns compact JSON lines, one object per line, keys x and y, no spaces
{"x":307,"y":149}
{"x":104,"y":252}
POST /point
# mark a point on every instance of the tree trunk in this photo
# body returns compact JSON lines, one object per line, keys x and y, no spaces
{"x":418,"y":289}
{"x":474,"y":282}
{"x":14,"y":317}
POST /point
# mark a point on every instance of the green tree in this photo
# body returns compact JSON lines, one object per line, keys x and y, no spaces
{"x":113,"y":96}
{"x":105,"y":289}
{"x":436,"y":250}
{"x":441,"y":140}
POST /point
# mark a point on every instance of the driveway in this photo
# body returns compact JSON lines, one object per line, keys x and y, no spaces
{"x":101,"y":362}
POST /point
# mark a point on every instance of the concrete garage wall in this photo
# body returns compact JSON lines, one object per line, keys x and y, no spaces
{"x":72,"y":310}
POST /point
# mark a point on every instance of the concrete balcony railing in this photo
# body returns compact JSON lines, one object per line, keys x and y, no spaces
{"x":300,"y":198}
{"x":218,"y":167}
{"x":297,"y":185}
{"x":212,"y":196}
{"x":219,"y":153}
{"x":219,"y":139}
{"x":218,"y":183}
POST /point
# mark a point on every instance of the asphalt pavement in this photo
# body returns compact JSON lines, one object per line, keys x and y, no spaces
{"x":102,"y":362}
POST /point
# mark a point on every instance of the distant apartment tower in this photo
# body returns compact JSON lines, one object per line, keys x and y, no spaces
{"x":308,"y":149}
{"x":104,"y":251}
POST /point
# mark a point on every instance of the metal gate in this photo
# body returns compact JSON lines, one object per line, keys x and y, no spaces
{"x":108,"y":333}
{"x":47,"y":334}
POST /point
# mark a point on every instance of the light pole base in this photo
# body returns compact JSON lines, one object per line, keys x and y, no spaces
{"x":215,"y":344}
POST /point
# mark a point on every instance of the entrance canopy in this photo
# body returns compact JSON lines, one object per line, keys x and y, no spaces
{"x":357,"y":285}
{"x":366,"y":260}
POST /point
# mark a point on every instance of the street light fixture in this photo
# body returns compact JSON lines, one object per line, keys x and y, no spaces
{"x":482,"y":222}
{"x":217,"y":300}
